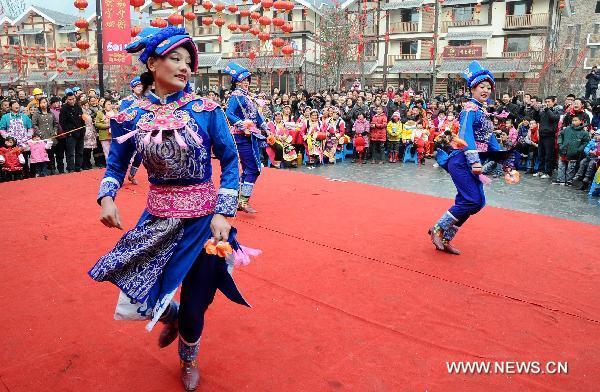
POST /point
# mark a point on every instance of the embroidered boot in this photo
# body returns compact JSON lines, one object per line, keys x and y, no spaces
{"x":443,"y":232}
{"x":190,"y":376}
{"x":244,"y":206}
{"x":171,"y":328}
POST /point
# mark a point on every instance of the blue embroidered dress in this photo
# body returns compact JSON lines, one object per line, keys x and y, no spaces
{"x":241,"y":107}
{"x":175,"y":137}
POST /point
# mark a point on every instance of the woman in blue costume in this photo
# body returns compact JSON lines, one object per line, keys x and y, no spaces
{"x":174,"y":132}
{"x":137,"y":89}
{"x":248,"y":126}
{"x":462,"y":158}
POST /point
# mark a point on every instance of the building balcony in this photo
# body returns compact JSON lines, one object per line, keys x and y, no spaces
{"x":459,"y":23}
{"x":526,"y":21}
{"x":593,"y":39}
{"x":589,"y":62}
{"x":392,"y":58}
{"x":536,"y":56}
{"x":404,"y":27}
{"x":204,"y":30}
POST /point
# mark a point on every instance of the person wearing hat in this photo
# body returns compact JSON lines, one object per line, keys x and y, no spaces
{"x":476,"y":141}
{"x":34,"y":105}
{"x":132,"y":99}
{"x":248,"y":125}
{"x":183,"y":234}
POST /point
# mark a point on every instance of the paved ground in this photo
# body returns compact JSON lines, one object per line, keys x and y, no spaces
{"x":531,"y":195}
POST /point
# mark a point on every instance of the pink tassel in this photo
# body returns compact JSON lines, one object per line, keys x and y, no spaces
{"x":485,"y":180}
{"x":158,"y":138}
{"x":147,"y":138}
{"x":179,"y":139}
{"x":121,"y":139}
{"x":194,"y":136}
{"x":242,"y":256}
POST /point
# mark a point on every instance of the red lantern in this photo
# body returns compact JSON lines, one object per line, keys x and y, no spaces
{"x":244,"y":13}
{"x":207,"y":5}
{"x":264,"y":36}
{"x":252,"y":56}
{"x":135,"y":30}
{"x":220,"y":22}
{"x":264,"y":20}
{"x":82,"y":64}
{"x":232,"y":8}
{"x":477,"y":8}
{"x":136,"y":4}
{"x":287,"y":50}
{"x":82,"y":24}
{"x":561,"y":4}
{"x":279,"y":5}
{"x":207,"y":21}
{"x":176,"y":3}
{"x":69,"y":72}
{"x":255,"y":15}
{"x":287,"y":28}
{"x":83,"y":45}
{"x":219,"y":7}
{"x":256,"y":1}
{"x":69,"y":48}
{"x":278,"y":42}
{"x":289,"y":6}
{"x":70,"y":62}
{"x":175,"y":19}
{"x":60,"y":69}
{"x":52,"y":57}
{"x":278,"y":22}
{"x":189,"y":16}
{"x":158,"y":22}
{"x":232,"y":27}
{"x":254,"y":31}
{"x":81,"y":5}
{"x":266,"y":4}
{"x":60,"y":60}
{"x":159,"y":2}
{"x":191,"y":2}
{"x":244,"y":28}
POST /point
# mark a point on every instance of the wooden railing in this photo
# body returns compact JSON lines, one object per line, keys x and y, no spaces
{"x":392,"y":58}
{"x":536,"y":56}
{"x":527,"y":20}
{"x":404,"y":27}
{"x":204,"y":30}
{"x":458,"y":23}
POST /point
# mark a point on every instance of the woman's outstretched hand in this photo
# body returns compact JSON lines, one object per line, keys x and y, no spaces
{"x":110,"y":213}
{"x":220,"y":227}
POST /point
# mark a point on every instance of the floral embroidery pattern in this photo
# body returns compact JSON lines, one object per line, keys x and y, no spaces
{"x":108,"y":187}
{"x":182,"y":201}
{"x":227,"y":203}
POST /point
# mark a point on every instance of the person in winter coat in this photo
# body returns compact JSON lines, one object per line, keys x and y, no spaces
{"x":378,"y":135}
{"x":394,"y":135}
{"x":587,"y":166}
{"x":362,"y":128}
{"x":571,"y":144}
{"x":72,"y":123}
{"x":591,"y":85}
{"x":549,"y":118}
{"x":46,"y":124}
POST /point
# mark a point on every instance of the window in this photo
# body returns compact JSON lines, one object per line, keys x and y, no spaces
{"x":409,"y":47}
{"x":14,"y":40}
{"x":39,"y":39}
{"x":205,"y":47}
{"x":598,"y":7}
{"x":460,"y":43}
{"x":73,"y":37}
{"x":463,"y":14}
{"x":519,"y":7}
{"x":577,"y":35}
{"x":517,"y":44}
{"x":595,"y":53}
{"x":409,"y":15}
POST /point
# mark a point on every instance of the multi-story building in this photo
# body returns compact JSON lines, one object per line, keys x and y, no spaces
{"x":578,"y":46}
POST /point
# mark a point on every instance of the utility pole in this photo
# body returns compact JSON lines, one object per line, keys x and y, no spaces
{"x":436,"y":27}
{"x":361,"y":53}
{"x":100,"y":46}
{"x":385,"y":48}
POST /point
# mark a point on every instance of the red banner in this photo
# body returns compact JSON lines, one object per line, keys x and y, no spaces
{"x":116,"y":32}
{"x":462,"y":52}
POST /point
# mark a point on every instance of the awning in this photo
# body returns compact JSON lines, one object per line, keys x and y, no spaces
{"x":39,"y":77}
{"x":208,"y":59}
{"x":500,"y":65}
{"x":468,"y":35}
{"x":30,"y":31}
{"x":242,"y":38}
{"x":263,"y":63}
{"x":396,"y":5}
{"x":8,"y":78}
{"x":460,"y":2}
{"x":77,"y":76}
{"x":412,"y":66}
{"x":353,"y":68}
{"x":67,"y":29}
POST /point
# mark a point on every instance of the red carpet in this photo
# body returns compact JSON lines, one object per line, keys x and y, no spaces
{"x":348,"y":295}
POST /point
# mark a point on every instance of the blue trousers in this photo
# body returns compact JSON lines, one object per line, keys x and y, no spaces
{"x":470,"y":197}
{"x":249,"y":158}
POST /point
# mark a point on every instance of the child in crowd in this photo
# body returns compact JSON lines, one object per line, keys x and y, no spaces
{"x":12,"y":160}
{"x":394,"y":135}
{"x":532,"y":140}
{"x":572,"y":141}
{"x":39,"y":157}
{"x":378,"y":135}
{"x":362,"y":127}
{"x":587,"y":166}
{"x":408,"y":135}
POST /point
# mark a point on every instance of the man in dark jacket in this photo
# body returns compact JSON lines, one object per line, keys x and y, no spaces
{"x":70,"y":119}
{"x":511,"y":107}
{"x":549,"y":118}
{"x":591,"y":86}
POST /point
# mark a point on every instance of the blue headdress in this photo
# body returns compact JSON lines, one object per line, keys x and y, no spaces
{"x":154,"y":41}
{"x":237,"y":72}
{"x":135,"y":82}
{"x":476,"y":73}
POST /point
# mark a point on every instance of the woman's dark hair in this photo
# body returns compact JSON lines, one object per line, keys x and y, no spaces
{"x":108,"y":101}
{"x":12,"y":102}
{"x":234,"y":84}
{"x":40,"y":103}
{"x":147,"y":80}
